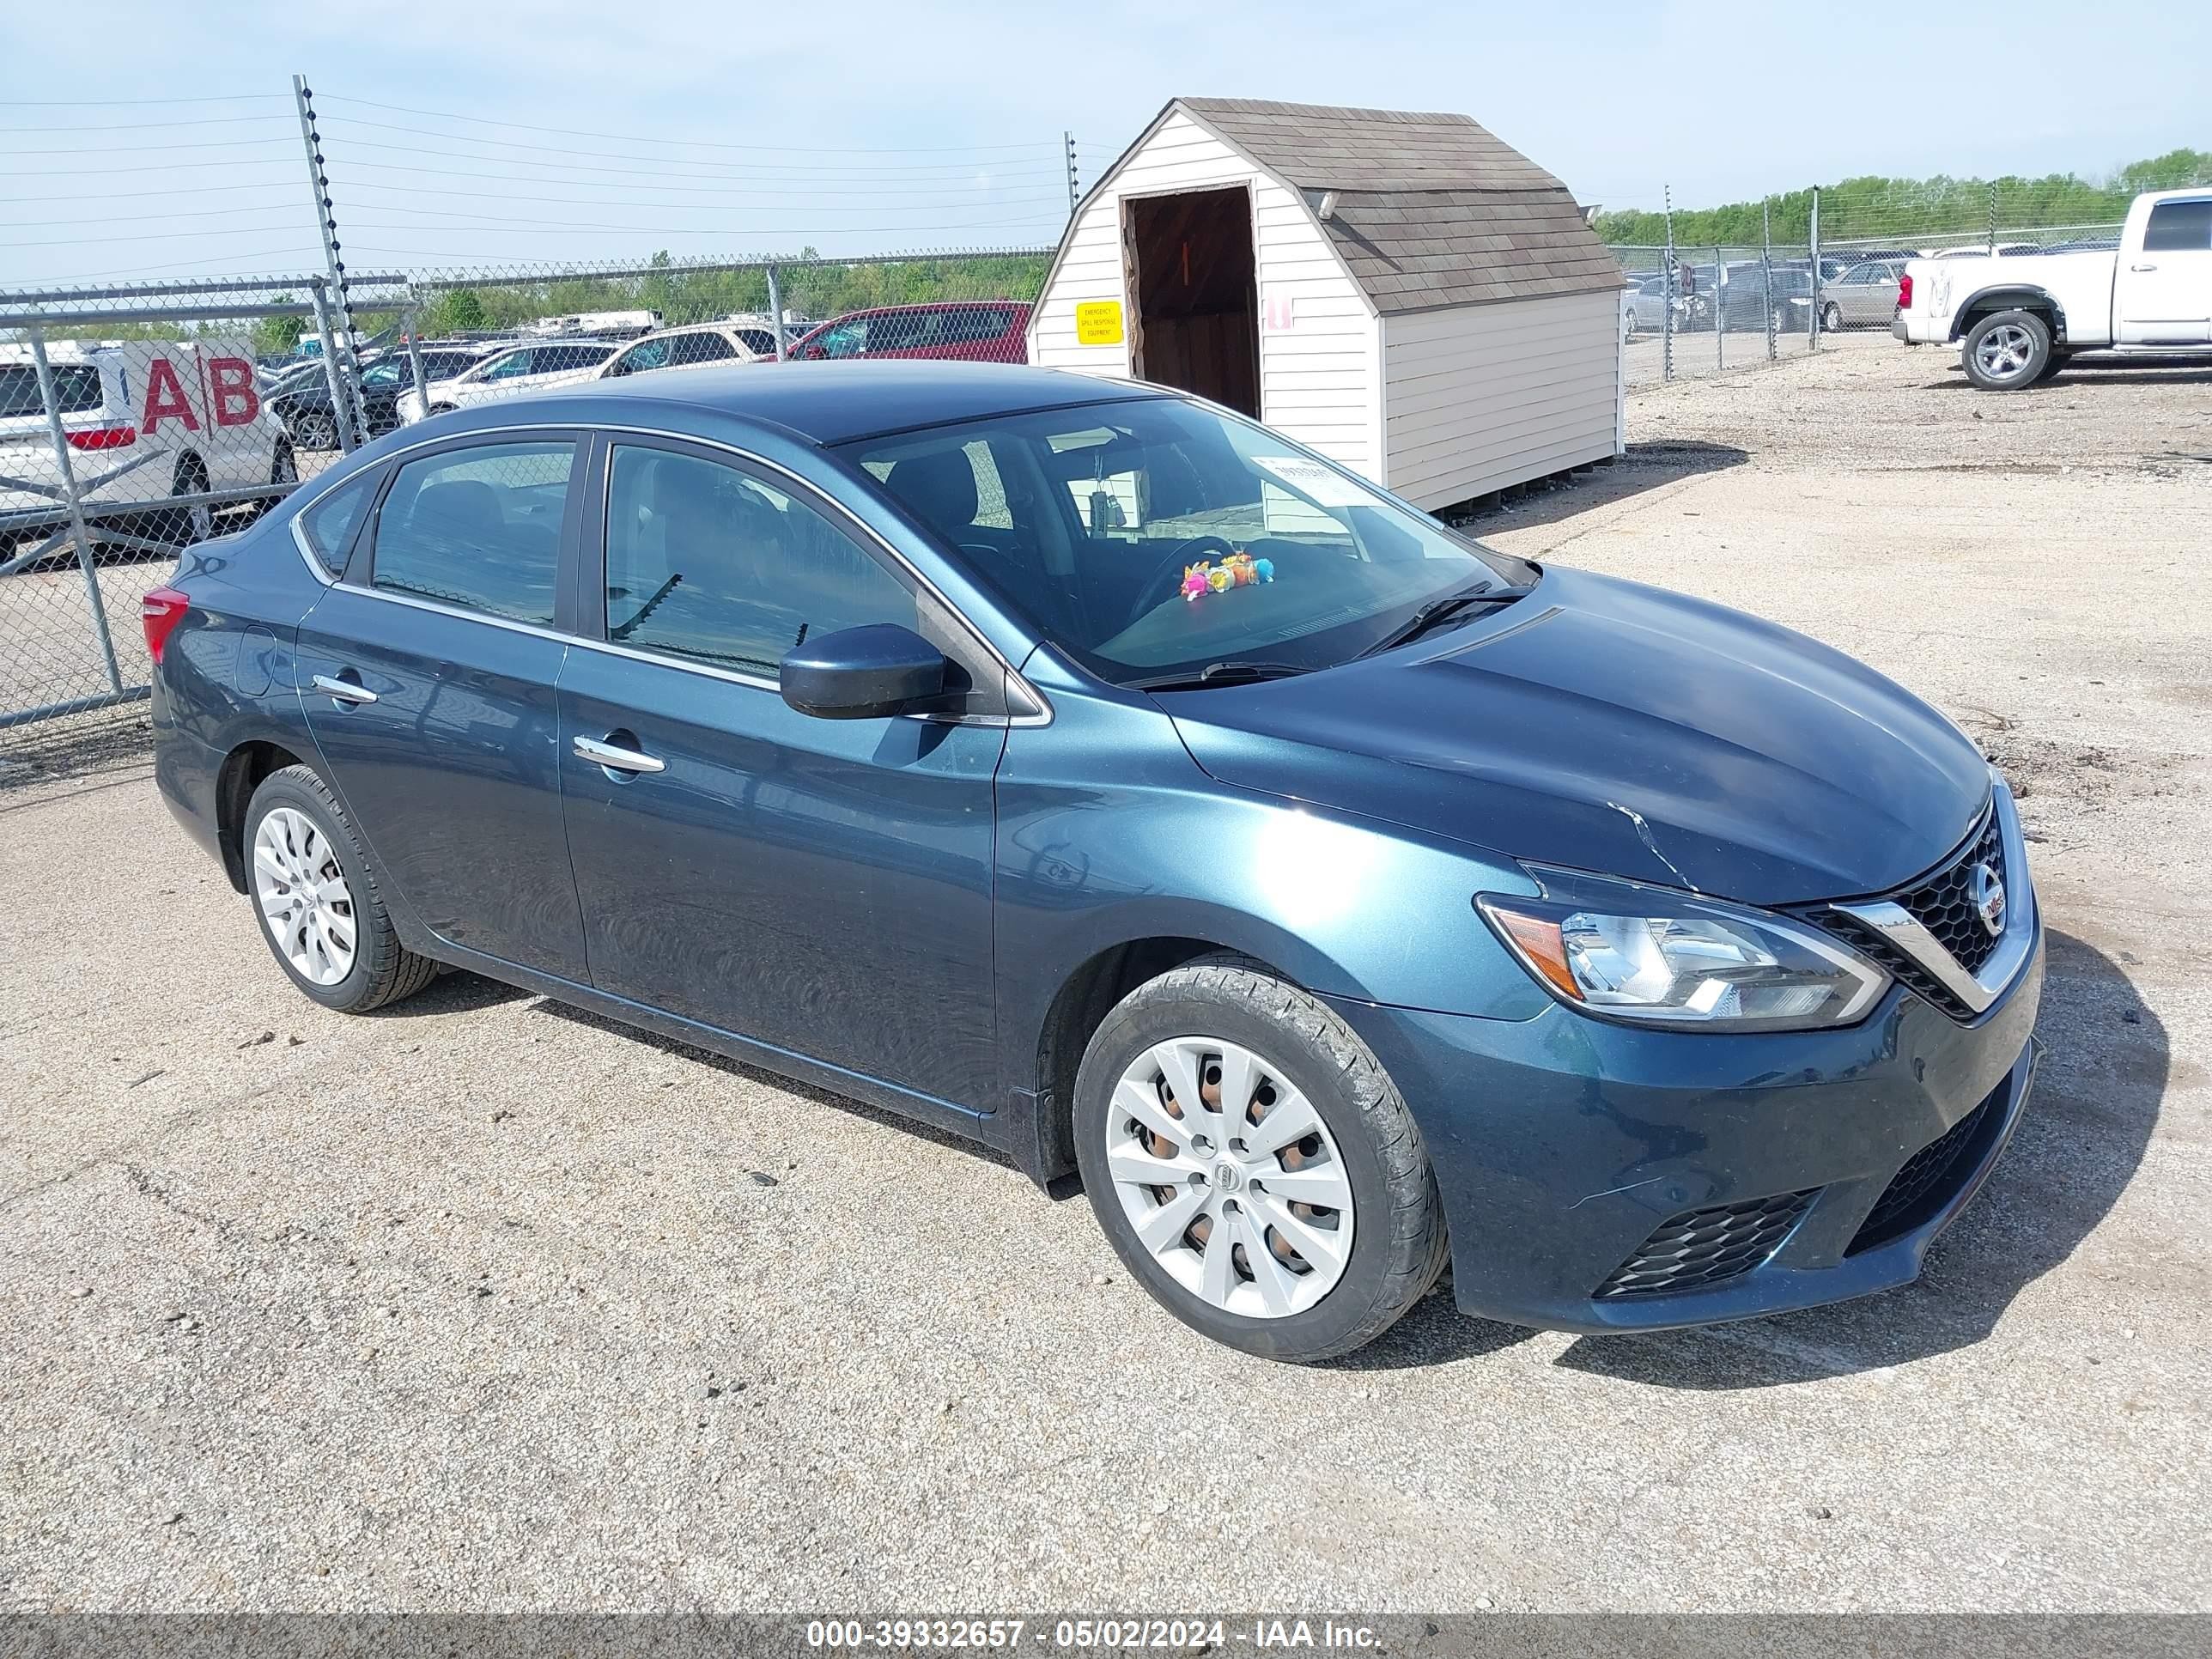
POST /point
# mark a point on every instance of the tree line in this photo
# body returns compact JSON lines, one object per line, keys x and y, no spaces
{"x":1876,"y":206}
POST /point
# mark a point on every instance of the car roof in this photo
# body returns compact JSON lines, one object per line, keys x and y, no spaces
{"x":831,"y":403}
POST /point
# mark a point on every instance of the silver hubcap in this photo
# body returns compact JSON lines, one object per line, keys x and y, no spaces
{"x":301,"y":890}
{"x":2004,"y":352}
{"x":1230,"y":1178}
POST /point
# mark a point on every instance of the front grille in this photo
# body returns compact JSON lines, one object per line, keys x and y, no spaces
{"x":1701,"y":1248}
{"x":1930,"y":1179}
{"x":1944,"y":903}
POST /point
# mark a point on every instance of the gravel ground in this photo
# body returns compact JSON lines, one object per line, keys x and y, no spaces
{"x":485,"y":1304}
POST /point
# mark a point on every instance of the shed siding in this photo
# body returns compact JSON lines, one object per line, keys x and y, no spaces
{"x":1316,"y":378}
{"x":1477,"y":398}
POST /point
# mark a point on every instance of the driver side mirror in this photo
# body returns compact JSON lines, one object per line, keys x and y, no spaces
{"x":863,"y":673}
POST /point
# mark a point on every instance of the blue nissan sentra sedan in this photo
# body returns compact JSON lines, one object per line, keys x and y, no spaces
{"x":1087,"y":769}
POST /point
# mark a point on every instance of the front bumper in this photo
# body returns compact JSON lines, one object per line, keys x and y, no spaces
{"x":1563,"y":1144}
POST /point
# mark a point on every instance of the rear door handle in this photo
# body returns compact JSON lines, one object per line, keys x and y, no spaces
{"x":2143,"y":267}
{"x":616,"y":759}
{"x":343,"y":690}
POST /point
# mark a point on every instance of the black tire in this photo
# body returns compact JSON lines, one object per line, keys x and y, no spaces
{"x":315,"y":430}
{"x":188,"y":525}
{"x":1399,"y":1240}
{"x":1832,"y":318}
{"x":2006,"y":351}
{"x":283,"y":465}
{"x":384,"y":970}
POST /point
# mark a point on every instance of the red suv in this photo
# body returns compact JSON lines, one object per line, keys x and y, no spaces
{"x":974,"y":331}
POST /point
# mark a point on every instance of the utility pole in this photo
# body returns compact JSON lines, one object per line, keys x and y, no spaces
{"x":1074,"y":189}
{"x":347,"y":378}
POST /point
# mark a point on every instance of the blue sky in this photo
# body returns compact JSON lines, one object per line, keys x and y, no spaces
{"x":720,"y":130}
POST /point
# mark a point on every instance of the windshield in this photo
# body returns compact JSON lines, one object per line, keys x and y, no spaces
{"x":1156,"y":535}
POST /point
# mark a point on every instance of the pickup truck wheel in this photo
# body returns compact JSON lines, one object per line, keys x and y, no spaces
{"x":2007,"y":351}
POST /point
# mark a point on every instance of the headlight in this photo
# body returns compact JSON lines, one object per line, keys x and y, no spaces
{"x":1656,"y":958}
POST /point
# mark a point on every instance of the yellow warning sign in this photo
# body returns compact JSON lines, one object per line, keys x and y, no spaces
{"x":1098,"y":322}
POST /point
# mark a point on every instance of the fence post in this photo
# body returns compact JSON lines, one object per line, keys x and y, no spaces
{"x":1720,"y":312}
{"x":1766,"y":272}
{"x":1666,"y":297}
{"x":341,"y":406}
{"x":411,"y":320}
{"x":1993,"y":217}
{"x":1813,"y":327}
{"x":775,"y":311}
{"x":1075,"y":190}
{"x":51,"y":398}
{"x":349,"y":374}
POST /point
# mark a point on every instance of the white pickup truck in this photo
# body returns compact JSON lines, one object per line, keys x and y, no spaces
{"x":2019,"y":316}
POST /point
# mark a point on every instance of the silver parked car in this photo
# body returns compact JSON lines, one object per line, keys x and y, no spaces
{"x":1864,"y":295}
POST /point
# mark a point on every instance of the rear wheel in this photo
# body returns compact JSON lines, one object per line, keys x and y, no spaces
{"x":321,"y":913}
{"x":195,"y":523}
{"x":316,"y":431}
{"x":1832,"y":318}
{"x":1253,"y":1166}
{"x":2007,"y":351}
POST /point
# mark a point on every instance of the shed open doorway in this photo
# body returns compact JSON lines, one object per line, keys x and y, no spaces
{"x":1198,"y":324}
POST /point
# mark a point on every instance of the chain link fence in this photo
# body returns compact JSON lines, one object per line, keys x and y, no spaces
{"x":137,"y":421}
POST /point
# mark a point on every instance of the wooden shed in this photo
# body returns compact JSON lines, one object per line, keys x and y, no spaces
{"x":1400,"y":290}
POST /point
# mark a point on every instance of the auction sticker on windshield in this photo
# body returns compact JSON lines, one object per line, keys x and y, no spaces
{"x":1314,"y":481}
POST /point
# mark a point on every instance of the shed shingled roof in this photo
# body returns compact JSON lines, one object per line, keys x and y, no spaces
{"x":1432,"y":210}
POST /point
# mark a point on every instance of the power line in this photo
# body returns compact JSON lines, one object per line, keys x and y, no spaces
{"x":141,"y":103}
{"x":542,"y":227}
{"x":716,"y":191}
{"x":92,"y":241}
{"x":480,"y":217}
{"x":112,"y":149}
{"x":197,"y":121}
{"x":726,"y":168}
{"x":635,"y":138}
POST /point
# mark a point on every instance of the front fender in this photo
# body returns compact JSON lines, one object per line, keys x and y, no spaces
{"x":1344,"y":905}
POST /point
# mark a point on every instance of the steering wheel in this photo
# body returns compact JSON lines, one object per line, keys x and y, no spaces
{"x":1167,"y":582}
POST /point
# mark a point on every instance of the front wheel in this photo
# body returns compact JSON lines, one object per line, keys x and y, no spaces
{"x":2007,"y":351}
{"x":1254,"y":1166}
{"x":321,"y":913}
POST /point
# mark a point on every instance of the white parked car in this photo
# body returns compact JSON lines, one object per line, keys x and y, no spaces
{"x":146,"y":421}
{"x":532,"y":366}
{"x":690,"y":346}
{"x":2018,"y":318}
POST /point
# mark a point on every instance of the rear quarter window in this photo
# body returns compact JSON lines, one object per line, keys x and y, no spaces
{"x":328,"y":527}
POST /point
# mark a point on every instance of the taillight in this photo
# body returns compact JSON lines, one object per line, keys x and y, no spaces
{"x":104,"y":437}
{"x":160,"y":612}
{"x":1905,"y":292}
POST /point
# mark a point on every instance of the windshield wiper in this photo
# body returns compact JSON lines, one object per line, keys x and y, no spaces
{"x":1438,"y":611}
{"x":1235,"y":671}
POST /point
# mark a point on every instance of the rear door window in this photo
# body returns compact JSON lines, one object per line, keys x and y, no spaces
{"x":76,"y":385}
{"x":478,"y":528}
{"x":704,"y":347}
{"x":2179,"y":227}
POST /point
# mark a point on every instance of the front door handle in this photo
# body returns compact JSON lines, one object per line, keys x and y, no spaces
{"x":2143,"y":267}
{"x":343,"y":690}
{"x":616,"y":759}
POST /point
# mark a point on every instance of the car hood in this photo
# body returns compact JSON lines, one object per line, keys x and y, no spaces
{"x":1609,"y":726}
